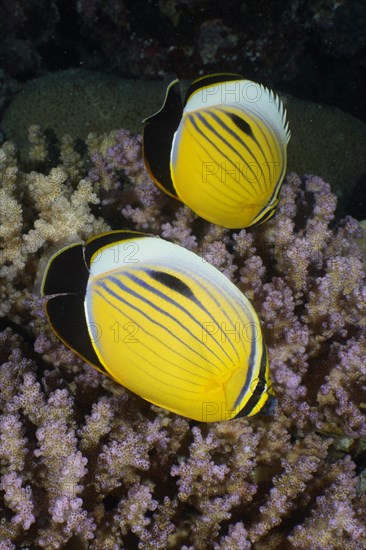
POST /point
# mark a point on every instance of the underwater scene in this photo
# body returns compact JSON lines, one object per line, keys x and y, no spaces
{"x":182,"y":275}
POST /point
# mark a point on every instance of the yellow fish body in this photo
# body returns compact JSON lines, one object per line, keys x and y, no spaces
{"x":160,"y":321}
{"x":223,"y":152}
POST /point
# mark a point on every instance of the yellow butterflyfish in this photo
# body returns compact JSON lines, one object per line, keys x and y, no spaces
{"x":223,"y":151}
{"x":162,"y":322}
